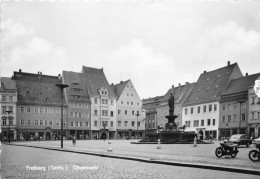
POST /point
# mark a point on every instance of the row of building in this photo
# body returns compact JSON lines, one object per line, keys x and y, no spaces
{"x":92,"y":108}
{"x":222,"y":102}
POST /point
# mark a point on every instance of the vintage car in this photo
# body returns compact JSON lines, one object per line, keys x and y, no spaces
{"x":256,"y":141}
{"x":240,"y":139}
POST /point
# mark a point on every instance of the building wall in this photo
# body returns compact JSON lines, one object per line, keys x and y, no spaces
{"x":129,"y":101}
{"x":213,"y":115}
{"x":253,"y":114}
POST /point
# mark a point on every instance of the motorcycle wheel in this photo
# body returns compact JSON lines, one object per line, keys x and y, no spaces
{"x":253,"y":155}
{"x":233,"y":154}
{"x":219,"y":152}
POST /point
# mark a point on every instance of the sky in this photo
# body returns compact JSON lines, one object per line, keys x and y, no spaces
{"x":155,"y":43}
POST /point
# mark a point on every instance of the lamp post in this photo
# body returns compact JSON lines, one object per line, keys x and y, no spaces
{"x":137,"y":114}
{"x":9,"y":130}
{"x":62,"y":86}
{"x":240,"y":114}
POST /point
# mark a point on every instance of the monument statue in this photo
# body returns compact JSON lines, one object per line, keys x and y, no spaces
{"x":171,"y":105}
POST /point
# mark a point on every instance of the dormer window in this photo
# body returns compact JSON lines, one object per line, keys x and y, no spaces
{"x":103,"y":91}
{"x":75,"y":83}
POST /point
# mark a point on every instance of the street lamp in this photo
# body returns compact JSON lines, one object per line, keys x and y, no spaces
{"x":137,"y":114}
{"x":62,"y":86}
{"x":240,"y":115}
{"x":8,"y":113}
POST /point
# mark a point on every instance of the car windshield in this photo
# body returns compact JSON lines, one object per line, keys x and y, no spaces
{"x":235,"y":137}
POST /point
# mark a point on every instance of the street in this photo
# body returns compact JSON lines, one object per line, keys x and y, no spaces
{"x":26,"y":162}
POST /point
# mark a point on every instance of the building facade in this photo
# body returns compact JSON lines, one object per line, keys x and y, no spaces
{"x":253,"y":112}
{"x":200,"y":112}
{"x":130,"y":116}
{"x":79,"y":105}
{"x":38,"y":107}
{"x":103,"y":104}
{"x":8,"y":98}
{"x":234,"y":106}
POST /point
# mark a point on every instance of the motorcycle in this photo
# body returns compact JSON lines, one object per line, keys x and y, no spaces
{"x":226,"y":149}
{"x":254,"y":155}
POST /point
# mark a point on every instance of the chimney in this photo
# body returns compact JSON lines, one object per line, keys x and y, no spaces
{"x":228,"y":63}
{"x":112,"y":84}
{"x":205,"y":71}
{"x":20,"y":70}
{"x":59,"y":76}
{"x":246,"y":74}
{"x":121,"y":82}
{"x":179,"y":87}
{"x":101,"y":69}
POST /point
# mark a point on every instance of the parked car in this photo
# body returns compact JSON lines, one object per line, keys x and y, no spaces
{"x":256,"y":141}
{"x":240,"y":139}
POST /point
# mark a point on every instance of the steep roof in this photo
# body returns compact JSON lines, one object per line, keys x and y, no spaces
{"x":119,"y":88}
{"x":37,"y":88}
{"x":152,"y":103}
{"x":7,"y":84}
{"x":96,"y":79}
{"x":210,"y":85}
{"x":180,"y":93}
{"x":241,"y":84}
{"x":77,"y":90}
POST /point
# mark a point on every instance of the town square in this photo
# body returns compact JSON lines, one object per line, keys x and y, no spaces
{"x":111,"y":89}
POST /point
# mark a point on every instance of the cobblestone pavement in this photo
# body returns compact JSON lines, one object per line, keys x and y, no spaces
{"x":21,"y":162}
{"x":203,"y":153}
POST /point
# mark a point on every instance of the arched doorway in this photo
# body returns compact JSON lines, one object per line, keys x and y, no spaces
{"x":48,"y":136}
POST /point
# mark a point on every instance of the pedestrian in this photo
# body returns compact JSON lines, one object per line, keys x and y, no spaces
{"x":73,"y":140}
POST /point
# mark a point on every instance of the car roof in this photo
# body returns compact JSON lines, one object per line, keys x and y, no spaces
{"x":238,"y":134}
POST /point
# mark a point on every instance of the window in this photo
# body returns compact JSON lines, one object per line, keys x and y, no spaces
{"x":119,"y":111}
{"x":45,"y":110}
{"x":35,"y":110}
{"x":95,"y":123}
{"x":215,"y":107}
{"x":11,"y":109}
{"x":127,"y":102}
{"x":235,"y":106}
{"x":22,"y":109}
{"x":198,"y":109}
{"x":196,"y":123}
{"x":234,"y":117}
{"x":186,"y":111}
{"x":202,"y":122}
{"x":50,"y":123}
{"x":3,"y":98}
{"x":75,"y":114}
{"x":125,"y":112}
{"x":22,"y":122}
{"x":122,"y":102}
{"x":41,"y":122}
{"x":111,"y":123}
{"x":45,"y":122}
{"x":81,"y":124}
{"x":243,"y":116}
{"x":71,"y":123}
{"x":41,"y":110}
{"x":64,"y":124}
{"x":28,"y":122}
{"x":104,"y":101}
{"x":58,"y":123}
{"x":10,"y":98}
{"x":133,"y":123}
{"x":80,"y":114}
{"x":253,"y":100}
{"x":119,"y":123}
{"x":28,"y":109}
{"x":4,"y":122}
{"x":133,"y":113}
{"x":95,"y":101}
{"x":229,"y":118}
{"x":111,"y":113}
{"x":35,"y":122}
{"x":223,"y":107}
{"x":86,"y":124}
{"x":204,"y":108}
{"x":126,"y":123}
{"x":95,"y":112}
{"x":223,"y":119}
{"x":57,"y":111}
{"x":214,"y":122}
{"x":187,"y":123}
{"x":50,"y":111}
{"x":76,"y":124}
{"x":111,"y":102}
{"x":138,"y":124}
{"x":104,"y":112}
{"x":210,"y":107}
{"x":71,"y":114}
{"x":137,"y":104}
{"x":208,"y":122}
{"x":132,"y":103}
{"x":191,"y":110}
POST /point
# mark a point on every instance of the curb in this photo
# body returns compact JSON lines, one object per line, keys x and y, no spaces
{"x":155,"y":161}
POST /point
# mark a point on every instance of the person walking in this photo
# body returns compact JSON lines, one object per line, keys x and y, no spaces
{"x":73,"y":140}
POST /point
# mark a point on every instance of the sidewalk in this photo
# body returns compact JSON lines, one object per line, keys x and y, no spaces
{"x":202,"y":156}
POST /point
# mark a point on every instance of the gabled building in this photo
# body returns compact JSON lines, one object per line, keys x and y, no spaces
{"x":180,"y":95}
{"x":79,"y":105}
{"x":200,"y":112}
{"x":253,"y":112}
{"x":234,"y":105}
{"x":8,"y":98}
{"x":103,"y":103}
{"x":130,"y":116}
{"x":150,"y":105}
{"x":38,"y":106}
